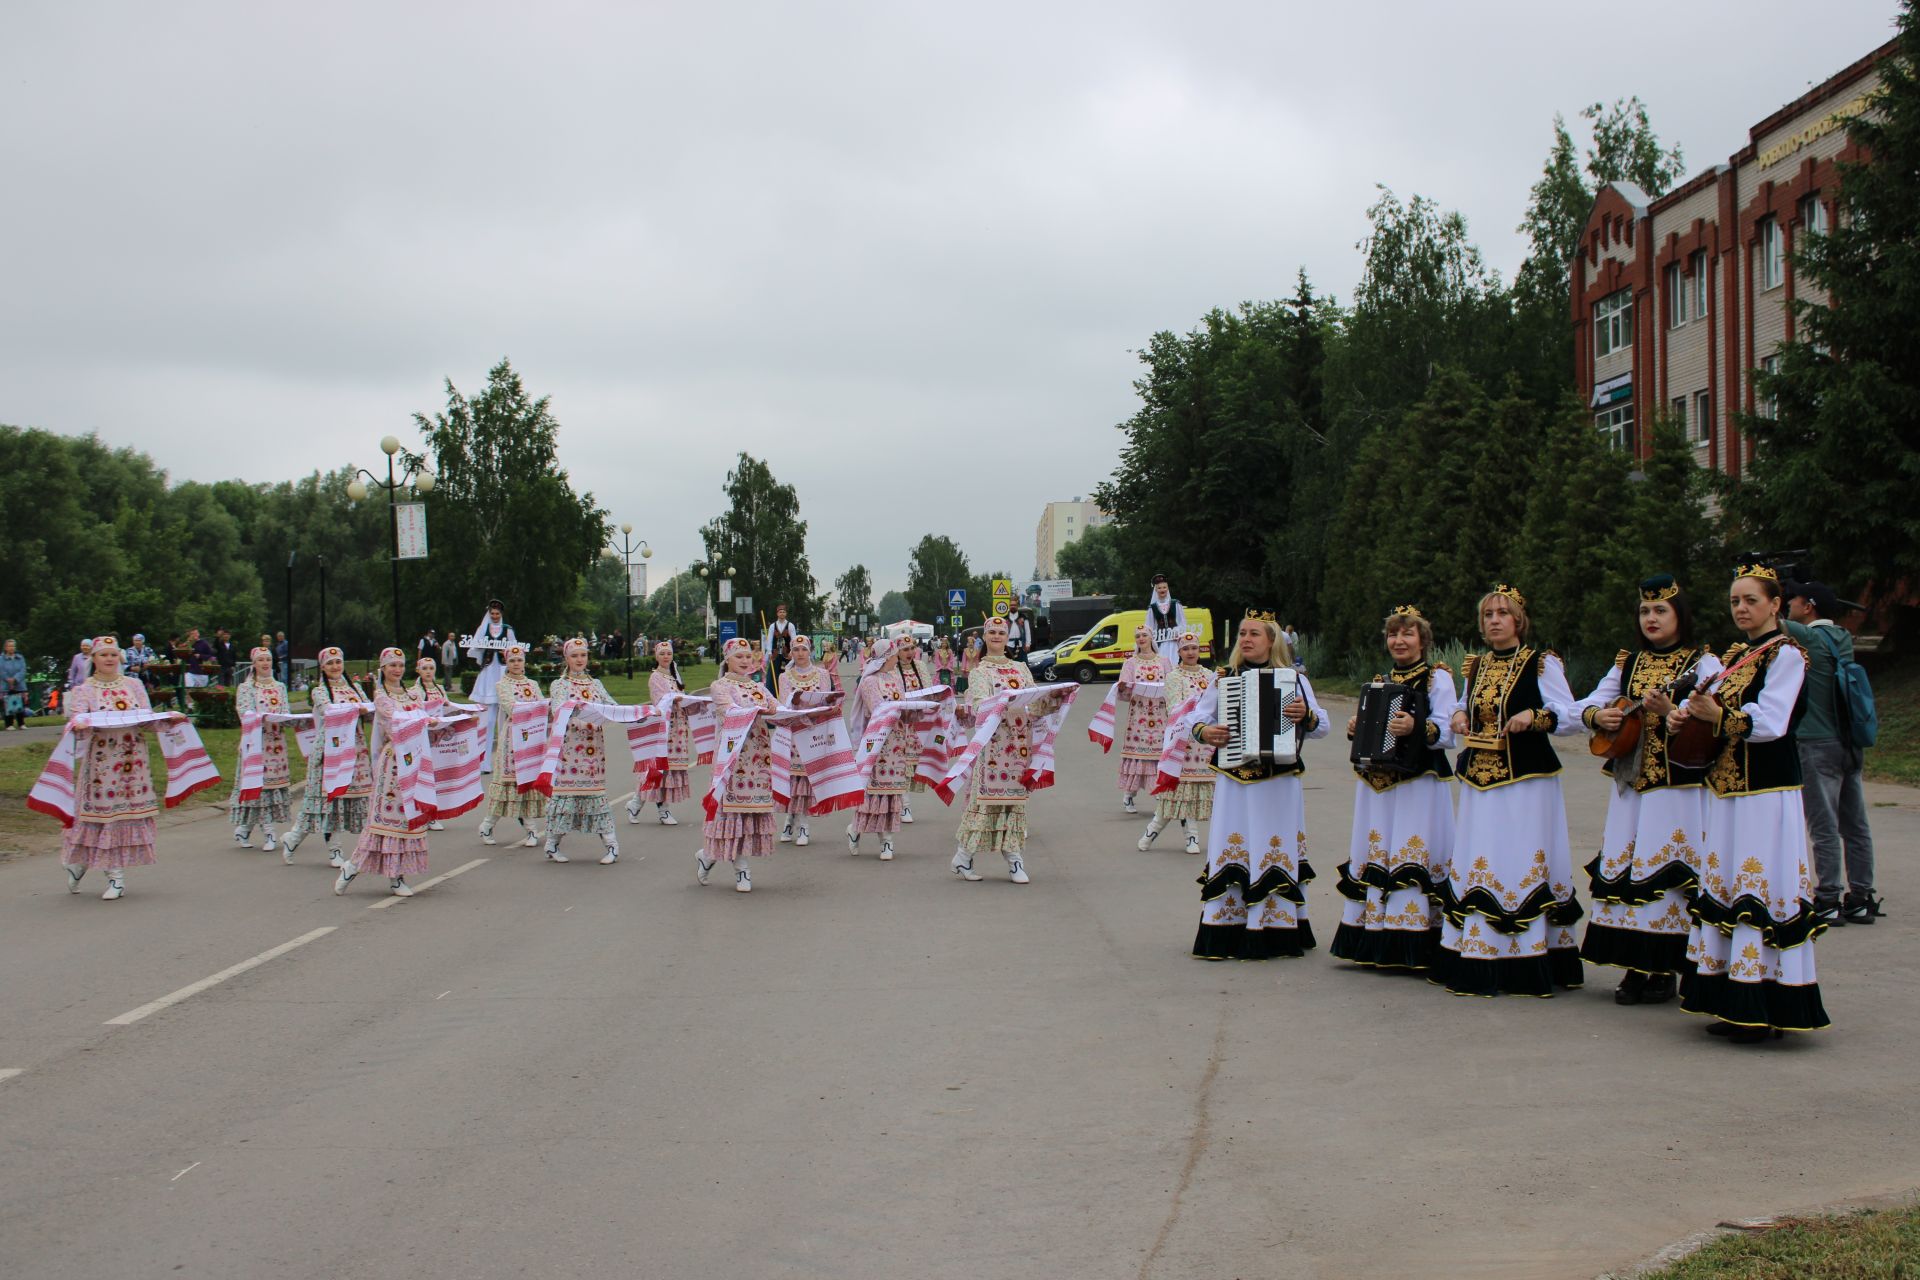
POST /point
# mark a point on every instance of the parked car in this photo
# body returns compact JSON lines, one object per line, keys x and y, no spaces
{"x":1101,"y":651}
{"x":1044,"y":663}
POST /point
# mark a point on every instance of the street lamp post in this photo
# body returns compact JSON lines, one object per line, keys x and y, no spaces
{"x":417,"y":476}
{"x":626,"y":558}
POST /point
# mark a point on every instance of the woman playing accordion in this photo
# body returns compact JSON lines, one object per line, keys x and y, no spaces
{"x":1253,"y":903}
{"x":1402,"y":842}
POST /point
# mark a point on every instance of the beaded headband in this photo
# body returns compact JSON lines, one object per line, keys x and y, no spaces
{"x":738,"y":643}
{"x":1758,"y":571}
{"x":513,"y":649}
{"x":258,"y":652}
{"x":105,"y":642}
{"x":331,"y":652}
{"x":573,"y":644}
{"x":1189,"y":637}
{"x":391,"y":652}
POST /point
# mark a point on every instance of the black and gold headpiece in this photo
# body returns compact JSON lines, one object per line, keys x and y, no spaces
{"x":1264,"y":615}
{"x":1510,"y":592}
{"x":1758,"y":571}
{"x":1660,"y":586}
{"x":1408,"y":611}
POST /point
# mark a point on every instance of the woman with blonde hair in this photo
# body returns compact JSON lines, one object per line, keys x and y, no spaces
{"x":1253,"y":903}
{"x":1508,"y":900}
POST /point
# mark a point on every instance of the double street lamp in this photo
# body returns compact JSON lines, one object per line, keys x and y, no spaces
{"x":421,"y":480}
{"x":627,"y":549}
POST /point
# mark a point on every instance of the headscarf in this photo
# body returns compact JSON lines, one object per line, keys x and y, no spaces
{"x":575,"y":644}
{"x":480,"y":630}
{"x":257,"y":653}
{"x":106,"y":642}
{"x":331,"y":652}
{"x":854,"y":710}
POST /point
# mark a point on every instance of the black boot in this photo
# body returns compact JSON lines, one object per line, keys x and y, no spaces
{"x":1659,"y":989}
{"x":1631,"y":988}
{"x":1860,"y":910}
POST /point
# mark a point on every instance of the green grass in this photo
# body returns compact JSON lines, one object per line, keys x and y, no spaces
{"x":1872,"y":1244}
{"x":1895,"y":757}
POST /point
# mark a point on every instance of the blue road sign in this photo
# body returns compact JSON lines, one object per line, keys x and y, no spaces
{"x":956,"y":598}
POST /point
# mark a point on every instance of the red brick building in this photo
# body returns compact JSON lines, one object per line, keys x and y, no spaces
{"x":1677,"y":299}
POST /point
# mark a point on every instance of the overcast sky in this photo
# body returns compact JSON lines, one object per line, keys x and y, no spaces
{"x":900,"y":251}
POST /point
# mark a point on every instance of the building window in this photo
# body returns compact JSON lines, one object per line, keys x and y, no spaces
{"x":1773,"y":254}
{"x":1616,"y":426}
{"x":1702,"y":416}
{"x":1813,"y":215}
{"x":1676,"y":292}
{"x":1613,"y":323}
{"x":1697,"y":264}
{"x":1768,"y":406}
{"x":1680,"y":416}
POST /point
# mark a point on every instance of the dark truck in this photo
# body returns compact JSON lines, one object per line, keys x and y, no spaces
{"x":1075,"y":615}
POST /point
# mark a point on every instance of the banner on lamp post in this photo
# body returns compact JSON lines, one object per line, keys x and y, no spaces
{"x":410,"y":531}
{"x":637,"y":579}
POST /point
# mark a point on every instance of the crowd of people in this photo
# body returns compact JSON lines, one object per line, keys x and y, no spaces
{"x":1735,"y":833}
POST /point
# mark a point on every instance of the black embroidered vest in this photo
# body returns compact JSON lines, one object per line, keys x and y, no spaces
{"x":1500,"y":685}
{"x":1642,"y":672}
{"x":1742,"y":767}
{"x":1436,"y":765}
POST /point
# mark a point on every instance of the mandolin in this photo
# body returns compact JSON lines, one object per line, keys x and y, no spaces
{"x":1625,"y":740}
{"x":1696,"y":743}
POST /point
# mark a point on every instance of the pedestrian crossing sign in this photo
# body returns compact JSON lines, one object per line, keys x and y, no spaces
{"x":956,"y":598}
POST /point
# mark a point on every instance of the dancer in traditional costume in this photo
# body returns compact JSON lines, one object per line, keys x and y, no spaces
{"x":490,"y":637}
{"x":1166,"y":619}
{"x":1146,"y":729}
{"x":1751,"y":946}
{"x":348,"y":812}
{"x":261,"y":694}
{"x":580,"y":779}
{"x":1191,"y":802}
{"x":889,"y":677}
{"x":1509,"y":899}
{"x":1402,"y":841}
{"x":995,"y":818}
{"x":114,"y":801}
{"x":505,"y":799}
{"x":429,"y":693}
{"x":662,"y":683}
{"x":1642,"y":879}
{"x":801,"y":674}
{"x":776,"y":643}
{"x":741,"y":825}
{"x":388,"y":847}
{"x":917,"y":673}
{"x":1253,"y":902}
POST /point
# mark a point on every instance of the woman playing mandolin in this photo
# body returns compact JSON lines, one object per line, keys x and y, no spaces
{"x":1643,"y":878}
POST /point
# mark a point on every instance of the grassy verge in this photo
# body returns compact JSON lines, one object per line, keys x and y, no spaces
{"x":1854,"y":1246}
{"x":1895,"y":757}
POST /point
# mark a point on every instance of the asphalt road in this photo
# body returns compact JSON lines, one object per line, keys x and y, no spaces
{"x":874,"y":1070}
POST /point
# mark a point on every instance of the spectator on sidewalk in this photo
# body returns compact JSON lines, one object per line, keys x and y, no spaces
{"x":223,"y":655}
{"x":1830,"y":763}
{"x":200,"y":659}
{"x":450,"y":660}
{"x":80,"y":666}
{"x":282,"y":659}
{"x":13,"y":687}
{"x":140,"y":656}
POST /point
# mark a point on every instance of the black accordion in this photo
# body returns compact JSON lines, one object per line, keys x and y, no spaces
{"x":1253,"y":708}
{"x":1375,"y":749}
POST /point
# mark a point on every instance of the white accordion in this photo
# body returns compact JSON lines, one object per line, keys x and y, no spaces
{"x":1253,"y":708}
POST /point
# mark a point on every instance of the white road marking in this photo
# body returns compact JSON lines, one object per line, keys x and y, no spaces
{"x":426,"y":884}
{"x":184,"y":1172}
{"x":8,"y":1073}
{"x":194,"y":989}
{"x":569,"y":909}
{"x":443,"y":995}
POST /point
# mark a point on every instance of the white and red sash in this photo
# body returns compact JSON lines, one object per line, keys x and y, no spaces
{"x":607,"y":713}
{"x":340,"y":732}
{"x":987,"y":717}
{"x":453,"y":747}
{"x":815,"y":738}
{"x":527,"y":738}
{"x":1107,"y":717}
{"x":252,"y":774}
{"x":189,"y":767}
{"x":1174,"y":747}
{"x":733,"y":730}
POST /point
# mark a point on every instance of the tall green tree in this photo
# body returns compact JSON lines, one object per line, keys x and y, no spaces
{"x":936,"y":564}
{"x":762,"y":537}
{"x":503,"y":518}
{"x":1094,"y":562}
{"x":891,"y":609}
{"x":1839,"y":459}
{"x":853,"y":592}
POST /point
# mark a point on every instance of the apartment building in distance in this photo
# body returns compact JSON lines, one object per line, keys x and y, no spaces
{"x":1060,"y":523}
{"x":1676,"y":299}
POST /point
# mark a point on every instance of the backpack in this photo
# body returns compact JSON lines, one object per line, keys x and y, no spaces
{"x":1861,"y":718}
